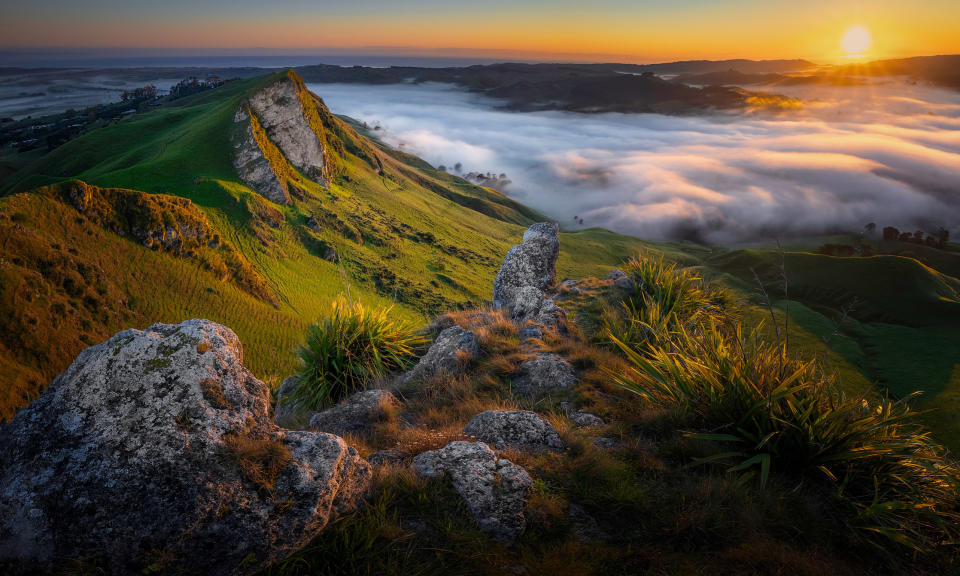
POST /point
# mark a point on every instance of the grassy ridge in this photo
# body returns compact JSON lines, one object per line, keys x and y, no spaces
{"x":404,"y":233}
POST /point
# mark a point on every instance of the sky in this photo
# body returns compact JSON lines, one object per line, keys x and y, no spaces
{"x":594,"y":30}
{"x":887,"y":153}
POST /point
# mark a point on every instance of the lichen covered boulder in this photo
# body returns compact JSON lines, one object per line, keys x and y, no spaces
{"x":544,"y":372}
{"x":446,"y":355}
{"x":528,"y":271}
{"x":519,"y":429}
{"x":495,"y":490}
{"x":155,"y":450}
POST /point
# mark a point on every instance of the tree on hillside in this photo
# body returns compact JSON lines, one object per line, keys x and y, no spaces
{"x":943,"y":236}
{"x":890,"y":233}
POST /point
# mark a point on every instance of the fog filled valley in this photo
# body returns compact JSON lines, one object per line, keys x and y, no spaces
{"x":887,"y":151}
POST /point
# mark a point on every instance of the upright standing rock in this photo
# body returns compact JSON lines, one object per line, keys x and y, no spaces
{"x":495,"y":489}
{"x":157,"y":446}
{"x":528,"y":271}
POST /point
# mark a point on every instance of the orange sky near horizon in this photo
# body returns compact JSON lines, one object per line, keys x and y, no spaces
{"x":608,"y":30}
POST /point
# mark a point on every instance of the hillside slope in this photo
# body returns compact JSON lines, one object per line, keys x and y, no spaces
{"x":291,"y":207}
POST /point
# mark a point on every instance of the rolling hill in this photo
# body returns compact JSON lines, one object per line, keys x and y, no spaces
{"x":149,"y":220}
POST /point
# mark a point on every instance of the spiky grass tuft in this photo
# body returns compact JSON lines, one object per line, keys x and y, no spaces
{"x":347,"y":348}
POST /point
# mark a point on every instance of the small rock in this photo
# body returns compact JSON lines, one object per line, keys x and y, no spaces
{"x":607,"y":443}
{"x":614,"y":275}
{"x":286,"y":414}
{"x":355,"y":414}
{"x":584,"y":525}
{"x":385,"y":457}
{"x":586,"y":419}
{"x":515,"y":429}
{"x":445,"y":355}
{"x":495,"y":490}
{"x":544,"y":372}
{"x":625,"y":283}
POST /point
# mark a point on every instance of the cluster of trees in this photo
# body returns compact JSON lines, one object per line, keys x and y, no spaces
{"x":137,"y":94}
{"x":891,"y":234}
{"x":194,"y":85}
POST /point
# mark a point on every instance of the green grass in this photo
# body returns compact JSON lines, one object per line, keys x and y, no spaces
{"x":425,"y":241}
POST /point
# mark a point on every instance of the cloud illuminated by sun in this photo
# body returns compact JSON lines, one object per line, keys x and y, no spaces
{"x":857,"y":41}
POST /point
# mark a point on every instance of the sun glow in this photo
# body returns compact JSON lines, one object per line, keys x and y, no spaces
{"x":857,"y":41}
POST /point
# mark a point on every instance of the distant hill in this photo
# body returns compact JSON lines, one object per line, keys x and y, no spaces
{"x":572,"y":87}
{"x":938,"y":70}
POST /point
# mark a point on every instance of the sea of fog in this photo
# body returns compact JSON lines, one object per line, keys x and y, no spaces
{"x":887,"y":153}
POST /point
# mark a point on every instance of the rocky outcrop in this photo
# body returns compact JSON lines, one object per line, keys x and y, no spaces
{"x":159,"y":221}
{"x":544,"y":372}
{"x":446,"y":355}
{"x":495,"y":490}
{"x":156,"y":445}
{"x":528,"y":271}
{"x":357,"y":413}
{"x":281,"y":130}
{"x":514,"y":429}
{"x":252,"y":165}
{"x":281,"y":113}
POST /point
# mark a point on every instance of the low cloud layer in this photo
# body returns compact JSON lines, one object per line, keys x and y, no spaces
{"x":888,"y":154}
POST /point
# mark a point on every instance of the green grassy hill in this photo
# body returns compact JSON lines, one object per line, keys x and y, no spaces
{"x":403,"y":233}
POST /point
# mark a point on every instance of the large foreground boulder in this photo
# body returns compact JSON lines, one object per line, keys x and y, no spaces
{"x":528,"y":271}
{"x":154,"y":451}
{"x":495,"y":490}
{"x":519,"y":429}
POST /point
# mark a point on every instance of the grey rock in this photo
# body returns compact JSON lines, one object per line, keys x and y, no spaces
{"x":286,"y":414}
{"x":585,"y":526}
{"x":625,"y":283}
{"x":544,"y":372}
{"x":251,"y":165}
{"x":614,"y":275}
{"x":124,"y":456}
{"x":355,"y":414}
{"x":443,"y":355}
{"x":528,"y":271}
{"x":280,"y":112}
{"x":495,"y":490}
{"x":586,"y":419}
{"x":607,"y":443}
{"x":385,"y":457}
{"x":514,"y":429}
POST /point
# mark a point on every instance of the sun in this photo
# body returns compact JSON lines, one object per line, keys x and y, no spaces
{"x":856,"y":41}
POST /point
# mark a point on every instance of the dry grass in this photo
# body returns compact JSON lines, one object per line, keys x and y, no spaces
{"x":260,"y":460}
{"x":212,"y":392}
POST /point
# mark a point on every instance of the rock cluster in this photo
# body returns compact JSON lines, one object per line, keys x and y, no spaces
{"x":495,"y":490}
{"x":528,"y":271}
{"x":157,"y":444}
{"x":519,"y":429}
